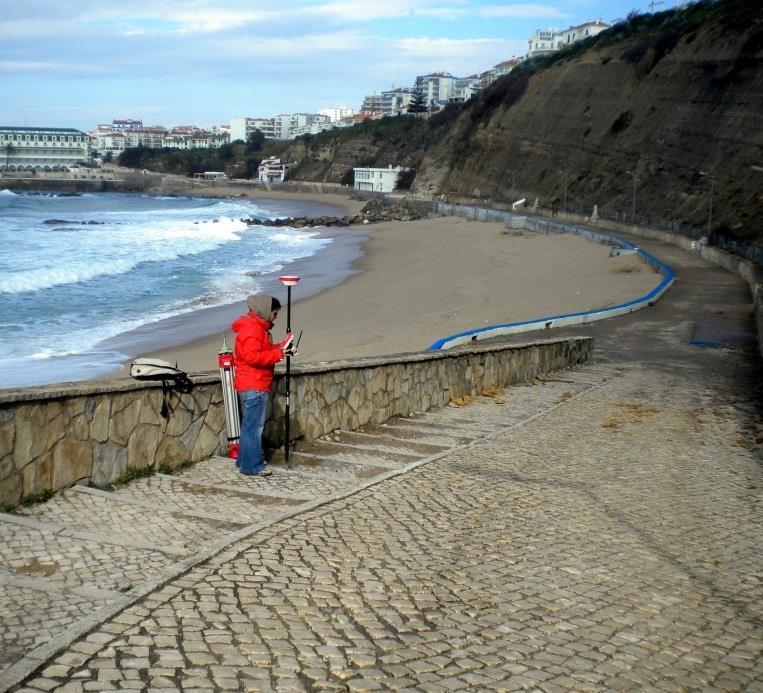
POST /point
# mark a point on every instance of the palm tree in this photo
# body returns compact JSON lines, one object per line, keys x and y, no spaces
{"x":9,"y":148}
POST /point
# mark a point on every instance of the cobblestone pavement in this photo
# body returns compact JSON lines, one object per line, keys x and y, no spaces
{"x":600,"y":529}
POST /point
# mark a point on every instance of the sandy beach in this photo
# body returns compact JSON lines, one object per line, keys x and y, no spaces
{"x":419,"y":281}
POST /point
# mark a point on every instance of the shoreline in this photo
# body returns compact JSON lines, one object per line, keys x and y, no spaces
{"x":328,"y":267}
{"x":109,"y":358}
{"x":389,"y":288}
{"x":168,"y":339}
{"x":421,"y":280}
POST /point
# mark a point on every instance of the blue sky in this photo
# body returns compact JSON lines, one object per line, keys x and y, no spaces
{"x":174,"y":62}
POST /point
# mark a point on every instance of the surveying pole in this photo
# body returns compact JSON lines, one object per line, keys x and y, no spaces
{"x":288,"y":281}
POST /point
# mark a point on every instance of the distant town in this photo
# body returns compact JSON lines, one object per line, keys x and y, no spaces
{"x":56,"y":149}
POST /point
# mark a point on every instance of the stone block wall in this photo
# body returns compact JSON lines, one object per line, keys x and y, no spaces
{"x":54,"y":437}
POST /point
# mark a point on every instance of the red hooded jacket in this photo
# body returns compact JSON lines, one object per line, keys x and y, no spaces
{"x":254,"y":354}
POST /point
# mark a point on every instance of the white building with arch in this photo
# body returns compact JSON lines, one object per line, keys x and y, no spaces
{"x":42,"y":149}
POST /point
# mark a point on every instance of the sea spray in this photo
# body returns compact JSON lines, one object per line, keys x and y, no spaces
{"x":118,"y":262}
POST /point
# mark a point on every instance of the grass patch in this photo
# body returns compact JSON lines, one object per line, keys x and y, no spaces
{"x":35,"y":498}
{"x":131,"y":474}
{"x":169,"y":469}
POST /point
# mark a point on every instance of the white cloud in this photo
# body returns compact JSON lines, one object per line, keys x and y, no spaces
{"x":14,"y":66}
{"x":444,"y":47}
{"x":199,"y":22}
{"x":522,"y":12}
{"x":288,"y":48}
{"x":357,"y":11}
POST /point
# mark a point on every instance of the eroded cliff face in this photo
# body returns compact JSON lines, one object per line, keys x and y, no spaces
{"x":648,"y":114}
{"x":662,"y":110}
{"x":400,"y":141}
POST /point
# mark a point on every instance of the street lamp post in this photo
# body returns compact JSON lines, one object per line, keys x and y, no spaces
{"x":288,"y":281}
{"x":633,"y":205}
{"x":712,"y":191}
{"x":566,"y":173}
{"x":564,"y":198}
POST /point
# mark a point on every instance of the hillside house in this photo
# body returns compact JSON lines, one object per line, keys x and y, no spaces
{"x":377,"y":179}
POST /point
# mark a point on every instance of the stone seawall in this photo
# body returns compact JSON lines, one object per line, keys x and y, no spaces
{"x":57,"y":436}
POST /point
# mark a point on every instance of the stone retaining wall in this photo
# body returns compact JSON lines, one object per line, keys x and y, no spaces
{"x":54,"y":437}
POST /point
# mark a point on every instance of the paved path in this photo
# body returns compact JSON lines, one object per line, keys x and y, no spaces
{"x":599,"y":529}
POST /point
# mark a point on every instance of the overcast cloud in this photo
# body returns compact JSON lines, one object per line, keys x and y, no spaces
{"x":170,"y":62}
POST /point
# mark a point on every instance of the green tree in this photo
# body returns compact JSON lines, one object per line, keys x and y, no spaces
{"x":132,"y":157}
{"x":418,"y":103}
{"x":255,"y":141}
{"x":9,"y":149}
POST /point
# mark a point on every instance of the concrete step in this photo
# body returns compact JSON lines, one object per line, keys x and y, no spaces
{"x":288,"y":481}
{"x":83,"y":510}
{"x":217,"y":504}
{"x":359,"y":453}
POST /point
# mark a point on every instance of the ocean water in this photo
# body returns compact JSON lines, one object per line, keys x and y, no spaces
{"x":75,"y":271}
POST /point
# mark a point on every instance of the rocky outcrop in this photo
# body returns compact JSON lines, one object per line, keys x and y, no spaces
{"x":373,"y":212}
{"x":303,"y":222}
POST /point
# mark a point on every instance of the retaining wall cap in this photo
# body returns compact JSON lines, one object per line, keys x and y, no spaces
{"x":87,"y":388}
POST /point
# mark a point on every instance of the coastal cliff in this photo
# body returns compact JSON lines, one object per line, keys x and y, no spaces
{"x":666,"y":109}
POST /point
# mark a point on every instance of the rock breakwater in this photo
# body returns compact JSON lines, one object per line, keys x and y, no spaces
{"x":376,"y":211}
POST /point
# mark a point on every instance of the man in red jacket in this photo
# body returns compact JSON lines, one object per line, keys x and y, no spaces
{"x":255,"y":357}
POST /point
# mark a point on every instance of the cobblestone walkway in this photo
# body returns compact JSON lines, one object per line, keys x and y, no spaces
{"x":600,"y":529}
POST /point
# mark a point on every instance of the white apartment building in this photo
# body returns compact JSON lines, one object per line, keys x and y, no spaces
{"x":377,"y":179}
{"x":436,"y":86}
{"x":498,"y":71}
{"x":42,"y":149}
{"x":124,"y":124}
{"x":241,"y":128}
{"x":152,"y":137}
{"x":290,"y":125}
{"x":337,"y":113}
{"x":371,"y":104}
{"x":206,"y":140}
{"x":546,"y":42}
{"x":182,"y":137}
{"x":395,"y":101}
{"x":113,"y":142}
{"x":582,"y":31}
{"x":464,"y":89}
{"x":176,"y":142}
{"x":543,"y":42}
